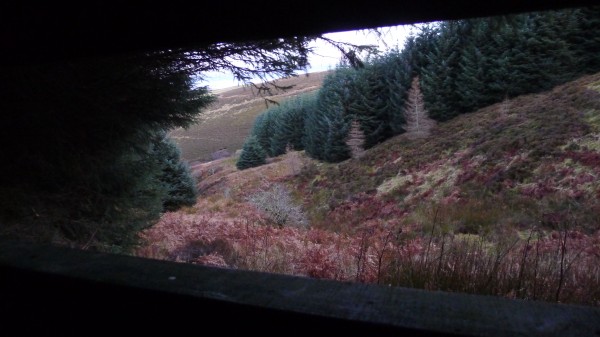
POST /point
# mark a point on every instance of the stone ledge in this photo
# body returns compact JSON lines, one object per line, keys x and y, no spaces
{"x":54,"y":291}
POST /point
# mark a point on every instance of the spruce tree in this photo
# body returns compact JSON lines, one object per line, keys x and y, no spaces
{"x":418,"y":124}
{"x":315,"y":131}
{"x":376,"y":116}
{"x":587,"y":41}
{"x":471,"y":80}
{"x":327,"y":126}
{"x":179,"y":185}
{"x":439,"y":77}
{"x":318,"y":121}
{"x":356,"y":140}
{"x":335,"y":148}
{"x":264,"y":128}
{"x":289,"y":124}
{"x":397,"y":81}
{"x":252,"y":154}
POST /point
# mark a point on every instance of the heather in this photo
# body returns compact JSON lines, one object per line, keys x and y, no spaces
{"x":502,"y":201}
{"x":467,"y":161}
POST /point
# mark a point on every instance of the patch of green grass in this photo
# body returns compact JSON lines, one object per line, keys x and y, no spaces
{"x":594,"y":86}
{"x":592,"y":117}
{"x":318,"y":207}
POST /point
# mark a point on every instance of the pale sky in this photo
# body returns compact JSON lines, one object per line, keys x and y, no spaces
{"x":326,"y":56}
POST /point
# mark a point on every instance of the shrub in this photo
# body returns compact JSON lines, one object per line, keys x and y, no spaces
{"x":220,"y":154}
{"x":277,"y":203}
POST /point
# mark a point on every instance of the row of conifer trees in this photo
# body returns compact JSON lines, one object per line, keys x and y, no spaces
{"x":460,"y":66}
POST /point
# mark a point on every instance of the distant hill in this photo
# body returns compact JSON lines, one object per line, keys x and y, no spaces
{"x":227,"y":122}
{"x":502,"y":201}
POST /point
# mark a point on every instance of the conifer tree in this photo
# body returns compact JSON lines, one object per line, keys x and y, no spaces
{"x":376,"y":116}
{"x":439,"y":83}
{"x":335,"y":148}
{"x":314,"y":133}
{"x":289,"y":124}
{"x":587,"y":42}
{"x":264,"y":128}
{"x":471,"y":79}
{"x":252,"y":154}
{"x":294,"y":160}
{"x":325,"y":128}
{"x":356,"y":140}
{"x":397,"y":81}
{"x":179,"y":185}
{"x":418,"y":123}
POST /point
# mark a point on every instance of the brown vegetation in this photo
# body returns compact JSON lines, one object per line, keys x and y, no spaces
{"x":418,"y":123}
{"x":503,"y":201}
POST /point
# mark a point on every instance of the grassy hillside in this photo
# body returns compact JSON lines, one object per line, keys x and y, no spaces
{"x":227,"y":122}
{"x":503,"y":201}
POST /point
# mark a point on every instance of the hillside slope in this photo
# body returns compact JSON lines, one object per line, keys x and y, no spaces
{"x":502,"y":201}
{"x":226,"y":123}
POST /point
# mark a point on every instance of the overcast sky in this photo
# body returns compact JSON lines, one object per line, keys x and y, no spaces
{"x":326,"y":56}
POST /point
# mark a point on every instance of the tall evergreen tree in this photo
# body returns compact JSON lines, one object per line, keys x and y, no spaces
{"x":397,"y":82}
{"x":471,"y":79}
{"x":315,"y":132}
{"x":376,"y":116}
{"x":476,"y":62}
{"x":586,"y":42}
{"x":418,"y":123}
{"x":264,"y":128}
{"x":336,"y":149}
{"x":439,"y":77}
{"x":356,"y":140}
{"x":317,"y":124}
{"x":327,"y":126}
{"x":289,"y":124}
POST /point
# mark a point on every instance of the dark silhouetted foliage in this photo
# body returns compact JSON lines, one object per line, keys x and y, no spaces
{"x":83,"y":138}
